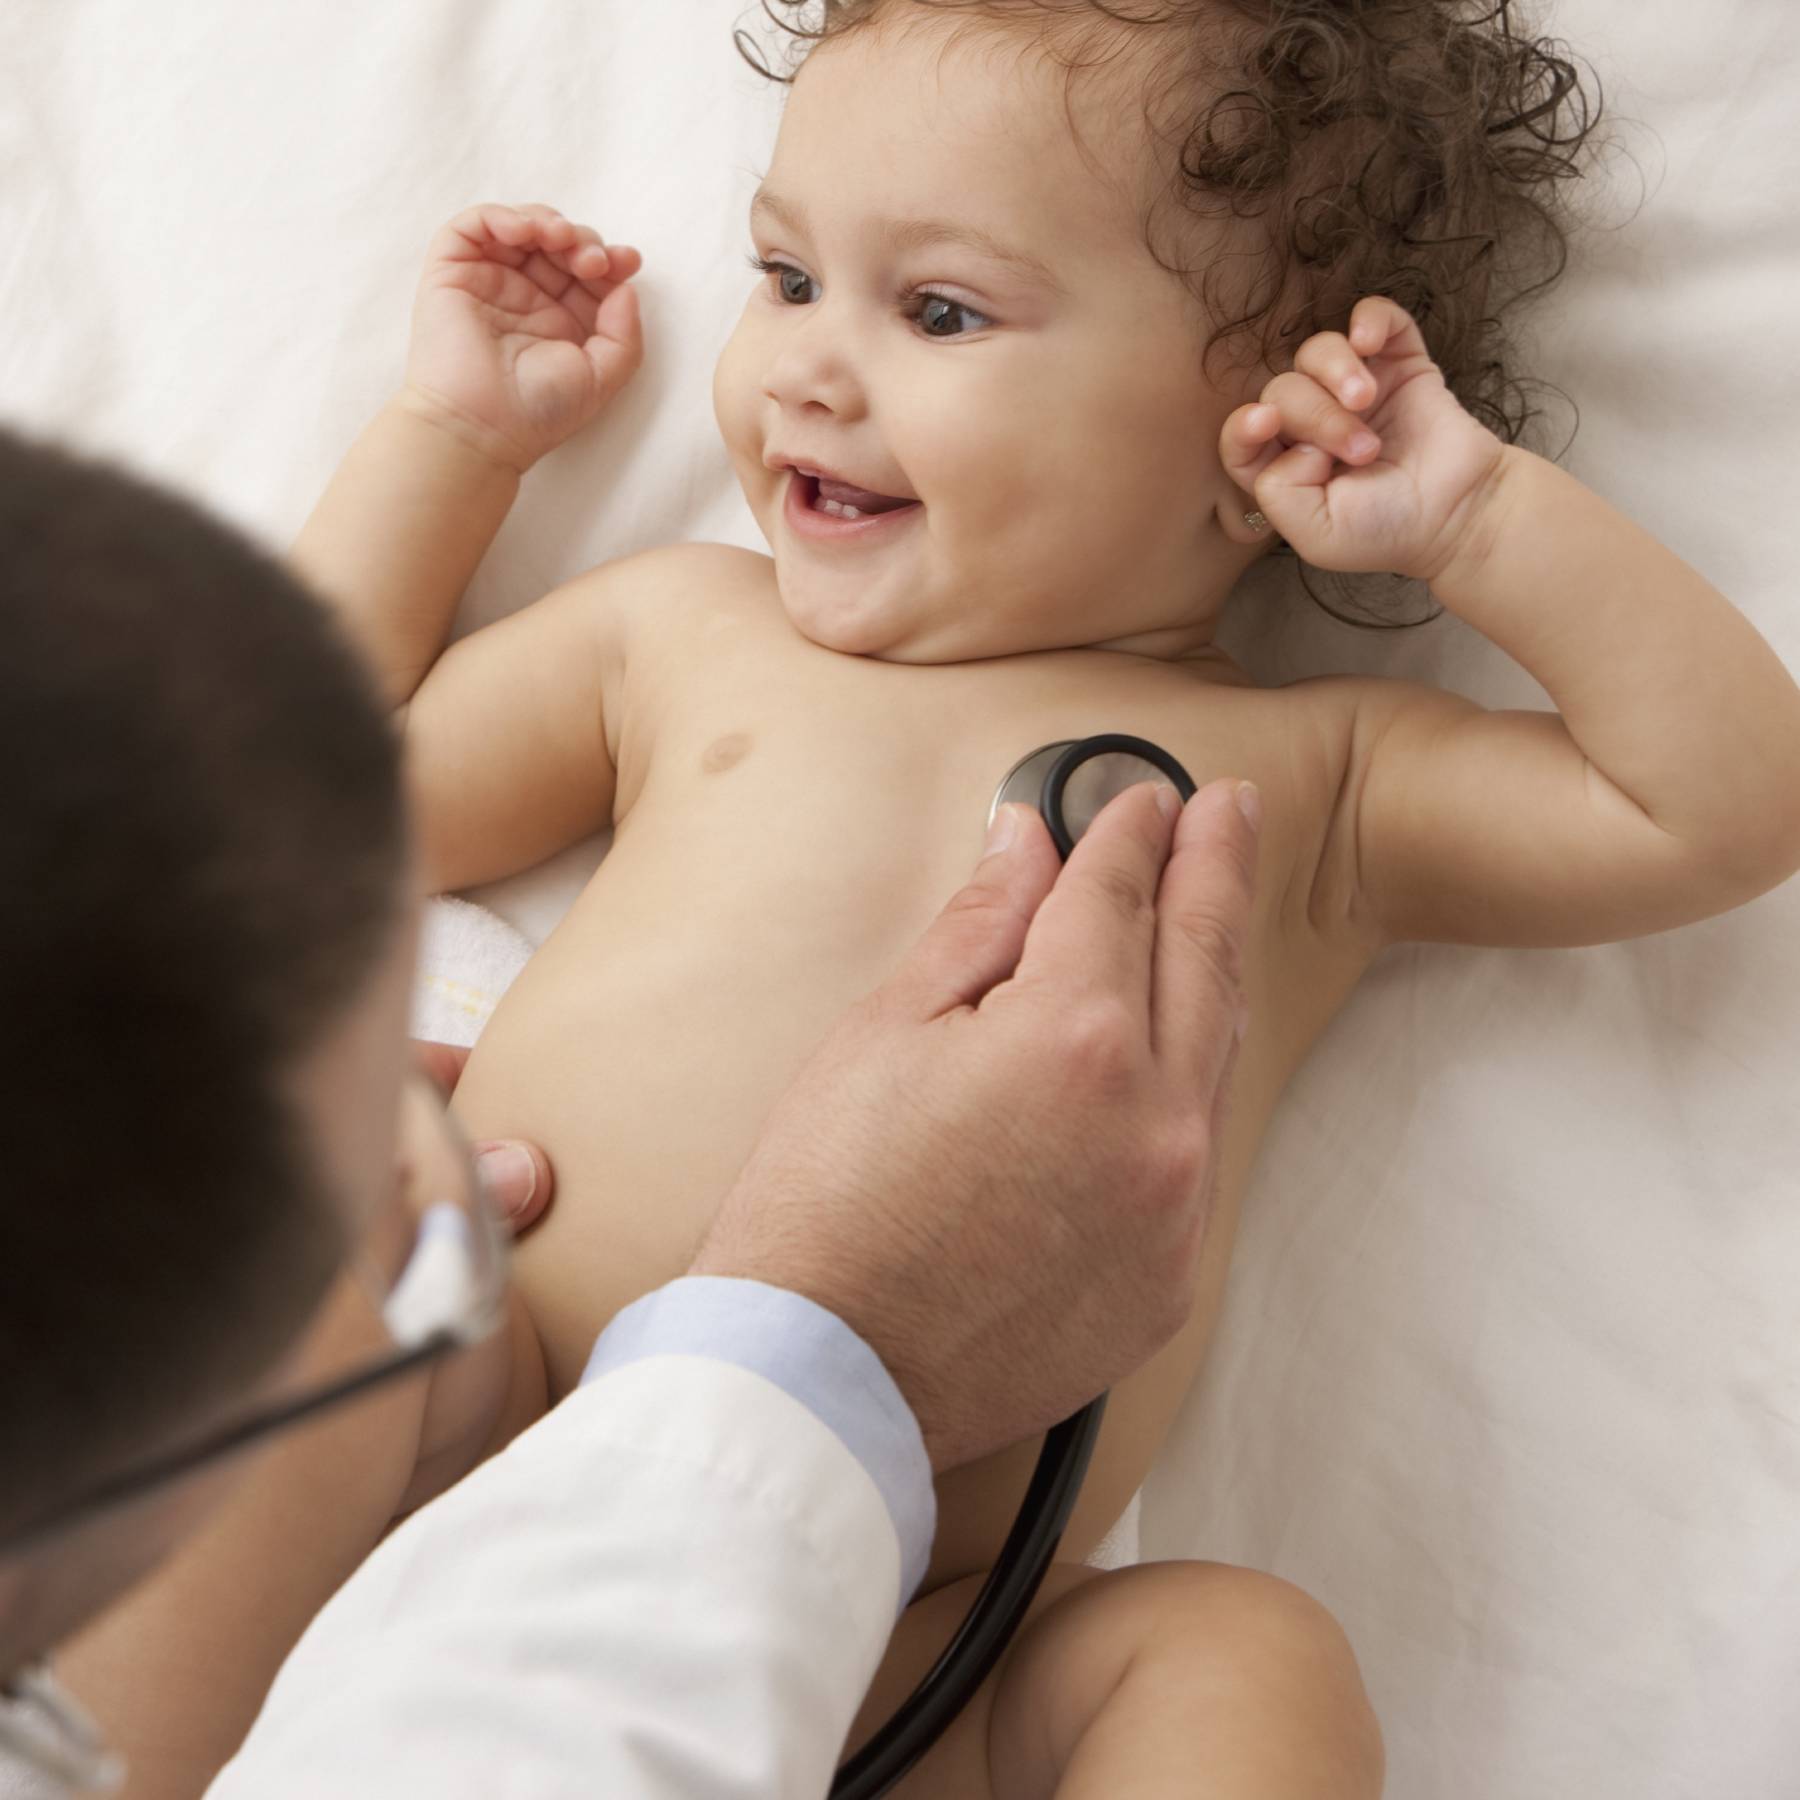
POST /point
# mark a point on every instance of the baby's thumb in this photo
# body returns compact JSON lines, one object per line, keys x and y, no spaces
{"x":976,"y":941}
{"x":616,"y":347}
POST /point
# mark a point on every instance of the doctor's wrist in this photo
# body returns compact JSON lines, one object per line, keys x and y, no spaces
{"x":860,"y":1314}
{"x":815,"y":1357}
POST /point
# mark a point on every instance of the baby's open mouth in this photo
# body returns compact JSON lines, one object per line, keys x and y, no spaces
{"x":843,"y":501}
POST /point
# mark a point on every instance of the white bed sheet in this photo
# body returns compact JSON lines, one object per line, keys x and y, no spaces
{"x":1509,"y":1373}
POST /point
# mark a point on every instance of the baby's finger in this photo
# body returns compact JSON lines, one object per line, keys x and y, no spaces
{"x":622,"y":262}
{"x":616,"y":264}
{"x":1328,"y":358}
{"x":1292,"y":491}
{"x":591,"y":271}
{"x":601,"y":266}
{"x":553,"y":241}
{"x":479,"y":234}
{"x":587,"y":258}
{"x":499,"y":234}
{"x":1383,"y":327}
{"x":580,"y":295}
{"x":560,"y":239}
{"x":1249,"y":441}
{"x":553,"y":228}
{"x":1312,"y":415}
{"x":509,"y":225}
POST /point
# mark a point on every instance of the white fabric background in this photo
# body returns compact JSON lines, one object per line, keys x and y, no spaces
{"x":1510,"y":1369}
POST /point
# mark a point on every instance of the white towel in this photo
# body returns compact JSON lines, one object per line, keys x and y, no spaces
{"x":468,"y":958}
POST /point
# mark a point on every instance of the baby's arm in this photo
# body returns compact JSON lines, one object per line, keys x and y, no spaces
{"x":1667,"y":786}
{"x":1665,"y":790}
{"x":524,"y":328}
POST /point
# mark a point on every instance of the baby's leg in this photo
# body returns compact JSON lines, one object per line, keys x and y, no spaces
{"x":1180,"y":1678}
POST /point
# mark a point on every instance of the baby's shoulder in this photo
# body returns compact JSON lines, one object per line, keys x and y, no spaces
{"x":670,"y":584}
{"x":644,"y":614}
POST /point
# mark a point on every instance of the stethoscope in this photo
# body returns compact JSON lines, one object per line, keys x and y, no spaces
{"x":1068,"y":782}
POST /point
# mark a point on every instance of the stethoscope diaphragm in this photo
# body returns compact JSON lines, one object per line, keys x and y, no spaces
{"x":1071,"y":780}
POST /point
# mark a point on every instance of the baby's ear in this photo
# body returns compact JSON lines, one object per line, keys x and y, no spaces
{"x":1236,"y":514}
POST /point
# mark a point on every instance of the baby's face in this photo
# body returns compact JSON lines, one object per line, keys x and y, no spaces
{"x":1052,"y":424}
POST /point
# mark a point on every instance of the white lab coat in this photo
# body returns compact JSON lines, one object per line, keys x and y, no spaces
{"x":679,"y":1582}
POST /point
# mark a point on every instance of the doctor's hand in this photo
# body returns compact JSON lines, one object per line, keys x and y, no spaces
{"x":515,"y":1176}
{"x":998,"y":1168}
{"x":465,"y":1394}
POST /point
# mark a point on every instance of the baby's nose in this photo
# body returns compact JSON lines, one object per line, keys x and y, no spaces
{"x":813,"y":366}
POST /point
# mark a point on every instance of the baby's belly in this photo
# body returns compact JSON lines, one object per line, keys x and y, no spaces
{"x":644,"y":1062}
{"x":647,"y":1087}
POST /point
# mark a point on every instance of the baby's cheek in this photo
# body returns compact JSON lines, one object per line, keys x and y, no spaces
{"x":734,"y":399}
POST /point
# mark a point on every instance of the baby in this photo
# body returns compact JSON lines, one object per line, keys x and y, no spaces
{"x":1006,"y":499}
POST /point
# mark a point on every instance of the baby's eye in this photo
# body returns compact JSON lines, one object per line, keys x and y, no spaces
{"x":787,"y":288}
{"x":931,"y":310}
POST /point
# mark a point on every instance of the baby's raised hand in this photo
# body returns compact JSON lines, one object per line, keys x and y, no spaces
{"x":1395,"y":489}
{"x":525,"y":325}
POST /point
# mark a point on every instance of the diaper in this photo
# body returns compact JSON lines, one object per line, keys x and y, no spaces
{"x":468,"y":958}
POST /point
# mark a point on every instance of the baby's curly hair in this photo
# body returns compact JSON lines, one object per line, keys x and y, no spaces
{"x":1413,"y":148}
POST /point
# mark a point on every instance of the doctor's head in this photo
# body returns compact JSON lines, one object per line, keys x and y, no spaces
{"x":1019,"y":259}
{"x":205,"y":938}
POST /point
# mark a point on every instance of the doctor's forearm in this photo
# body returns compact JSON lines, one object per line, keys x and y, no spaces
{"x":1668,"y":689}
{"x":397,"y":536}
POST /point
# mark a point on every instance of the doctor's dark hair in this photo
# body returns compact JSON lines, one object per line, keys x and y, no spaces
{"x":201,"y":857}
{"x":1412,"y":148}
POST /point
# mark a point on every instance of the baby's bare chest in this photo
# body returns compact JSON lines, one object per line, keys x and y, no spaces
{"x":813,"y":773}
{"x":791,"y":821}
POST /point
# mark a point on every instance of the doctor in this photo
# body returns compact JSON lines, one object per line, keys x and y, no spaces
{"x":681,"y":1580}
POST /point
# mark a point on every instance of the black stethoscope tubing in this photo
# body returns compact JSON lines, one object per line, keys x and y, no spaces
{"x":1025,"y":1557}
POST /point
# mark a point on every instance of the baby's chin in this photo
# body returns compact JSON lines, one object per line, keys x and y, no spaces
{"x":855,"y":619}
{"x":860,"y":623}
{"x":859,"y":632}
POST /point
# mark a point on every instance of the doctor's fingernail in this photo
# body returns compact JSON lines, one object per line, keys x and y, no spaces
{"x":1249,"y":803}
{"x":1168,"y":802}
{"x":1003,"y":831}
{"x":509,"y":1175}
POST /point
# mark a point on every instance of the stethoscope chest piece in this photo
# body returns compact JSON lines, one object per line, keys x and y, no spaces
{"x":1024,"y":781}
{"x":1070,"y":781}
